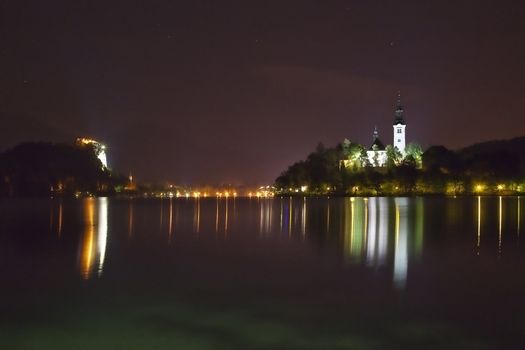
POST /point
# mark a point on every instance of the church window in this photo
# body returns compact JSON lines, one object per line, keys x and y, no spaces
{"x":399,"y":131}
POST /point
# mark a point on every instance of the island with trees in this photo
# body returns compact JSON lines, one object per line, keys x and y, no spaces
{"x":494,"y":167}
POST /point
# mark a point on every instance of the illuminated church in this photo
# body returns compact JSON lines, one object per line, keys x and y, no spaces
{"x":377,"y":151}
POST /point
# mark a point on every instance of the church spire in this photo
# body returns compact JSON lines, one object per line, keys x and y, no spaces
{"x":399,"y":126}
{"x":398,"y":114}
{"x":376,"y":133}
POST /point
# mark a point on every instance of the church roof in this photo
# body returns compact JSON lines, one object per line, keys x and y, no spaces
{"x":377,"y":142}
{"x":398,"y":114}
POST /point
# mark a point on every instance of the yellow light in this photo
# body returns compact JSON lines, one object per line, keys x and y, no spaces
{"x":479,"y":188}
{"x":304,"y":188}
{"x":500,"y":187}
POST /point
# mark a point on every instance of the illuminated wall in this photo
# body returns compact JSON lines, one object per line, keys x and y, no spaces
{"x":99,"y":148}
{"x":377,"y":158}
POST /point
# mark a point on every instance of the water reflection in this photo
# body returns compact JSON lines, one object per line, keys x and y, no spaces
{"x":401,"y":246}
{"x":366,"y":233}
{"x":86,"y":259}
{"x":500,"y":223}
{"x":383,"y":231}
{"x":217,"y":216}
{"x":290,"y":210}
{"x":518,"y":218}
{"x":265,"y":216}
{"x":197,"y":215}
{"x":170,"y":221}
{"x":478,"y":242}
{"x":328,"y":216}
{"x":420,"y":223}
{"x":102,"y":232}
{"x":226,"y":217}
{"x":130,"y":219}
{"x":59,"y":228}
{"x":161,"y":213}
{"x":59,"y":216}
{"x":377,"y":233}
{"x":303,"y":217}
{"x":95,"y":237}
{"x":354,"y":228}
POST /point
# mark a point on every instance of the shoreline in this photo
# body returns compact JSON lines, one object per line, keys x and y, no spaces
{"x":280,"y":196}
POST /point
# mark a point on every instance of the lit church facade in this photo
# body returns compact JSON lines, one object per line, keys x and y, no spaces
{"x":376,"y":153}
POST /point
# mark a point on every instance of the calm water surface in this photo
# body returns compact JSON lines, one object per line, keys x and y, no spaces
{"x":344,"y":273}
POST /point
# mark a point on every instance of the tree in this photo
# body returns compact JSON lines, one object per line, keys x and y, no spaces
{"x":406,"y":174}
{"x":414,"y":151}
{"x":440,"y":159}
{"x":36,"y":169}
{"x":393,"y":156}
{"x":351,"y":153}
{"x":345,"y":148}
{"x":363,"y":158}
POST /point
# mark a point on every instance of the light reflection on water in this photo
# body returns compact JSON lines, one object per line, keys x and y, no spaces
{"x":95,"y":237}
{"x":374,"y":232}
{"x":392,"y":269}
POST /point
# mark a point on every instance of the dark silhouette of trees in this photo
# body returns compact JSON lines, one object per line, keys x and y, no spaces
{"x":320,"y":170}
{"x":41,"y":169}
{"x":439,"y":158}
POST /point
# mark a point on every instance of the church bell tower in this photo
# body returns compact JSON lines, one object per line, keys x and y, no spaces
{"x":399,"y":126}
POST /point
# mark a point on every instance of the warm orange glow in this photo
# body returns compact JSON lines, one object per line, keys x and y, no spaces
{"x":59,"y":219}
{"x":130,"y":222}
{"x":86,"y":260}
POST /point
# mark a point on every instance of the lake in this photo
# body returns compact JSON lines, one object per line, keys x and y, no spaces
{"x":278,"y":273}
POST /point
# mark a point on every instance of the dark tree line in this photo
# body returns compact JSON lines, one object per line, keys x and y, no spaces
{"x":42,"y":168}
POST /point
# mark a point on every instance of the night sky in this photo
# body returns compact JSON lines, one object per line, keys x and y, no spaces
{"x":234,"y":91}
